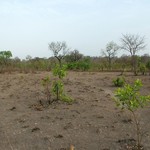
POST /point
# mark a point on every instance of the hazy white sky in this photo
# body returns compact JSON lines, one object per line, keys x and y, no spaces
{"x":27,"y":26}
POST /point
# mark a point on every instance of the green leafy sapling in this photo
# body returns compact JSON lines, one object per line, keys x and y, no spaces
{"x":60,"y":71}
{"x":46,"y":84}
{"x":59,"y":49}
{"x":119,"y":82}
{"x":58,"y":89}
{"x":130,"y":98}
{"x":58,"y":86}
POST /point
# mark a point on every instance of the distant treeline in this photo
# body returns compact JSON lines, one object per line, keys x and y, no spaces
{"x":74,"y":61}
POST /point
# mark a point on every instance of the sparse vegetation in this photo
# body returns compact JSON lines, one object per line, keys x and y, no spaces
{"x":91,"y":91}
{"x":5,"y":59}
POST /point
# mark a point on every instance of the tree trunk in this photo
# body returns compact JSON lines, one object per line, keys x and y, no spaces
{"x":138,"y":131}
{"x":109,"y":61}
{"x":134,"y":65}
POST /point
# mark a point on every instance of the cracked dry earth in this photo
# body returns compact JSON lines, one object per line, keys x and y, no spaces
{"x":91,"y":122}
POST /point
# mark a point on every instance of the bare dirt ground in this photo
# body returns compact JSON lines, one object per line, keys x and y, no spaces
{"x":91,"y":122}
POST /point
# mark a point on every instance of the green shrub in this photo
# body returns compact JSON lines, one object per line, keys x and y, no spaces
{"x":119,"y":82}
{"x":72,"y":66}
{"x":83,"y":65}
{"x":148,"y":66}
{"x":130,"y":98}
{"x":142,"y":68}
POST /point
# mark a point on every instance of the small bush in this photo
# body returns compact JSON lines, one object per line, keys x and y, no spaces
{"x":83,"y":65}
{"x":46,"y":82}
{"x":119,"y":82}
{"x":129,"y":98}
{"x":142,"y":68}
{"x":148,"y":66}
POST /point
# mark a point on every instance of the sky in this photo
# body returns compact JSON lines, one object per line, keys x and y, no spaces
{"x":28,"y":26}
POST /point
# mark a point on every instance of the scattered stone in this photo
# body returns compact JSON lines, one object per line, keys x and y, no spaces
{"x":25,"y":126}
{"x":59,"y":136}
{"x":13,"y":108}
{"x":126,"y":120}
{"x":35,"y":129}
{"x":68,"y":126}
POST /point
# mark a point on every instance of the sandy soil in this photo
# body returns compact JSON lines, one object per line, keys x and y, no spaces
{"x":91,"y":122}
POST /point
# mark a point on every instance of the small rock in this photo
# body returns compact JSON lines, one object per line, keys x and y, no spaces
{"x":35,"y":129}
{"x":59,"y":136}
{"x":13,"y":108}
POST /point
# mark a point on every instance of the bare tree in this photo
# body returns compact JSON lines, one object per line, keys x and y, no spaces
{"x":28,"y":57}
{"x":133,"y":43}
{"x":74,"y":56}
{"x":110,"y":52}
{"x":59,"y":50}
